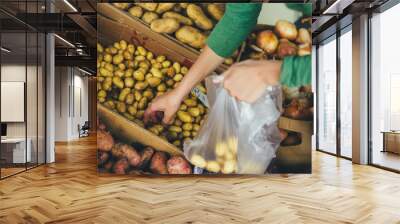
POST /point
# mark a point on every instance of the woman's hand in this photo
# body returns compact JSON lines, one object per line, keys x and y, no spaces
{"x":247,"y":80}
{"x":168,"y":103}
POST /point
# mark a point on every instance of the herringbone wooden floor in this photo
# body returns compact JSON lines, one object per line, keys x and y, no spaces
{"x":70,"y":191}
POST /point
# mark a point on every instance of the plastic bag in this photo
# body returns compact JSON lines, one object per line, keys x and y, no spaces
{"x":237,"y":137}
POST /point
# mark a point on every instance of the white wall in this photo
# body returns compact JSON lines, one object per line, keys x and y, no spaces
{"x":271,"y":12}
{"x":71,"y":94}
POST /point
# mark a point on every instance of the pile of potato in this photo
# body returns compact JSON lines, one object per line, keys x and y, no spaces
{"x":189,"y":23}
{"x":224,"y":158}
{"x":121,"y":158}
{"x":284,"y":39}
{"x":130,"y":77}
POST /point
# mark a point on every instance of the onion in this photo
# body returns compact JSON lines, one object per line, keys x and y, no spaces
{"x":267,"y":41}
{"x":304,"y":49}
{"x":304,"y":36}
{"x":286,"y":48}
{"x":286,"y":29}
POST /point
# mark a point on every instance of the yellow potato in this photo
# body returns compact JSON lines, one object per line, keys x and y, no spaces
{"x":101,"y":94}
{"x":141,"y":85}
{"x":191,"y":36}
{"x":138,"y":75}
{"x":136,"y":11}
{"x":186,"y":133}
{"x":213,"y":166}
{"x":229,"y":167}
{"x":200,"y":19}
{"x":178,"y":77}
{"x":129,"y":82}
{"x":148,"y":17}
{"x":166,"y":25}
{"x":175,"y":129}
{"x":184,"y":116}
{"x":129,"y":98}
{"x":190,"y":102}
{"x":180,"y":18}
{"x":196,"y":127}
{"x":216,"y":10}
{"x":194,"y":111}
{"x":132,"y":110}
{"x":221,"y":149}
{"x":183,"y":5}
{"x":154,"y":81}
{"x":118,"y":59}
{"x":121,"y":107}
{"x":148,"y":6}
{"x":187,"y":126}
{"x":162,"y":87}
{"x":121,"y":5}
{"x":117,"y":81}
{"x":100,"y":48}
{"x":122,"y":95}
{"x":163,"y":7}
{"x":198,"y":161}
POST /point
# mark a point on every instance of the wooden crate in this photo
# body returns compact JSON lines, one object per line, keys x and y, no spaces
{"x":133,"y":24}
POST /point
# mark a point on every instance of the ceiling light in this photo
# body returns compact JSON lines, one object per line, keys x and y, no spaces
{"x":70,"y":5}
{"x":5,"y":50}
{"x":64,"y":40}
{"x":84,"y":71}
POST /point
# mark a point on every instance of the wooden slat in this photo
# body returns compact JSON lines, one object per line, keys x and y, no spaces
{"x":129,"y":131}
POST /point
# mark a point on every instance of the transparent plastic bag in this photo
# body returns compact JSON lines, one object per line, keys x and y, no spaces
{"x":237,"y":137}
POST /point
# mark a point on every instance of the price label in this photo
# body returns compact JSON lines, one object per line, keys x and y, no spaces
{"x":201,"y":96}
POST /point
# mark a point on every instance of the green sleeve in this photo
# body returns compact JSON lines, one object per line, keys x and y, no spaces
{"x":236,"y":24}
{"x":296,"y":71}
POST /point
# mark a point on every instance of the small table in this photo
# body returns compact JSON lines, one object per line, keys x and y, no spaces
{"x":391,"y":141}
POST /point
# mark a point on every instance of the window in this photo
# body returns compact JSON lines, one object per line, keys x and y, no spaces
{"x":327,"y":96}
{"x":346,"y":93}
{"x":385,"y":89}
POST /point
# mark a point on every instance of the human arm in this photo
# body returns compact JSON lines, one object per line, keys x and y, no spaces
{"x":237,"y":22}
{"x":247,"y":80}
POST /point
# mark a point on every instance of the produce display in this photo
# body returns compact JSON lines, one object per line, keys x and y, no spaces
{"x":120,"y":158}
{"x":189,"y":23}
{"x":130,"y":77}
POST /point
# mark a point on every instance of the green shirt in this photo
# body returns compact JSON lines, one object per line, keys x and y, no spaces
{"x":237,"y":23}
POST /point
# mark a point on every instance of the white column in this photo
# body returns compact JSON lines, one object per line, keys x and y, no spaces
{"x":360,"y":90}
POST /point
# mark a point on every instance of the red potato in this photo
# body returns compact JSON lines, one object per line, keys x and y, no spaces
{"x":286,"y":48}
{"x":146,"y":155}
{"x":108,"y":165}
{"x":126,"y":151}
{"x":102,"y":157}
{"x":158,"y":163}
{"x":178,"y":165}
{"x":105,"y":141}
{"x":121,"y":166}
